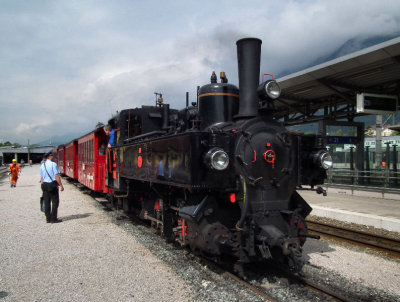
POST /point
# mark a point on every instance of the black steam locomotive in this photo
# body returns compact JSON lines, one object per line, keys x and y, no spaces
{"x":221,"y":175}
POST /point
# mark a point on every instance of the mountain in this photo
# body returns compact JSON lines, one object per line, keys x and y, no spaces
{"x":350,"y":46}
{"x":353,"y":45}
{"x":59,"y":140}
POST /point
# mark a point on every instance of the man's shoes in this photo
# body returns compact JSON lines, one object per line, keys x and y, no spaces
{"x":56,"y":221}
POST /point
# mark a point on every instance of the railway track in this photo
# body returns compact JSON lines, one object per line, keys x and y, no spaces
{"x":318,"y":289}
{"x":251,"y":287}
{"x":321,"y":291}
{"x":3,"y":171}
{"x":389,"y":245}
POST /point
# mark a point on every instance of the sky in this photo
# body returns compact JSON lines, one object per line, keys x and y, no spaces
{"x":67,"y":65}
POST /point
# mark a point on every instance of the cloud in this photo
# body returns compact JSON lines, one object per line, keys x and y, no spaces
{"x":67,"y":65}
{"x":23,"y":128}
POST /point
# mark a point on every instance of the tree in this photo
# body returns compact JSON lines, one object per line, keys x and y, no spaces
{"x":9,"y":144}
{"x":353,"y":131}
{"x":339,"y":132}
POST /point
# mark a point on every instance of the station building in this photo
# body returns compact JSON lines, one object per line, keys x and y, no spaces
{"x":7,"y":154}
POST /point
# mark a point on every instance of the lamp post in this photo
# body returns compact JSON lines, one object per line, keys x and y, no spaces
{"x":29,"y":154}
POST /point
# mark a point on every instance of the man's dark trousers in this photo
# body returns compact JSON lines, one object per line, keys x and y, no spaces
{"x":50,"y":195}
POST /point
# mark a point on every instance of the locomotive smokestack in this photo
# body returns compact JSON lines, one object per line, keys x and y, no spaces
{"x":248,"y":53}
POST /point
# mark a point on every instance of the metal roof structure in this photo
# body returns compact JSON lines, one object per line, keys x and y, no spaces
{"x":328,"y":90}
{"x":23,"y":153}
{"x":17,"y":150}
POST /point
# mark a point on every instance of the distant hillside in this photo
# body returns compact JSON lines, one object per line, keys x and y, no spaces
{"x":350,"y":46}
{"x":354,"y":45}
{"x":59,"y":140}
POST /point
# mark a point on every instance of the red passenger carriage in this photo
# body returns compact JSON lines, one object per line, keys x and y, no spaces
{"x":71,"y":159}
{"x":91,"y":160}
{"x":61,"y":158}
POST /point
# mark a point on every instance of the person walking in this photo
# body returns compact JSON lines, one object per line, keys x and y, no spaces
{"x":51,"y":180}
{"x":15,"y":169}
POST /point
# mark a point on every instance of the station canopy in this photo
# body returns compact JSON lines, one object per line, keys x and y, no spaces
{"x":329,"y":90}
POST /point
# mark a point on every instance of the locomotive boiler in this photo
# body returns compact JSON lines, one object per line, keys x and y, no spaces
{"x":219,"y":176}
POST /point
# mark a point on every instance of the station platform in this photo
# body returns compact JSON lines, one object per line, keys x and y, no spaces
{"x":358,"y":207}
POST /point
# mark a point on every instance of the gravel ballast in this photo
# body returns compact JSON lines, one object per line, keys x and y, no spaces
{"x":84,"y":258}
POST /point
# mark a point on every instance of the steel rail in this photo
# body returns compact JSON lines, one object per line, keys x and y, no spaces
{"x":376,"y":241}
{"x":251,"y":287}
{"x":317,"y":287}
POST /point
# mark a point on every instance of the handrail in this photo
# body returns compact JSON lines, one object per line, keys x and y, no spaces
{"x":376,"y":180}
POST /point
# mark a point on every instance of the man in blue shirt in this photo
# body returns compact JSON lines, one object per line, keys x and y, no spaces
{"x":111,"y":133}
{"x":50,"y":179}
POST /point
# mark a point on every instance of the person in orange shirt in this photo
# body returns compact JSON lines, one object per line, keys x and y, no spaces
{"x":14,"y":171}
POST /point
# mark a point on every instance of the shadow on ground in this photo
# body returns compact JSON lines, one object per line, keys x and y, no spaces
{"x":76,"y":216}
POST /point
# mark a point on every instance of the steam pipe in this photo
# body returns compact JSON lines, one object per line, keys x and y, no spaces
{"x":239,"y":224}
{"x":248,"y":53}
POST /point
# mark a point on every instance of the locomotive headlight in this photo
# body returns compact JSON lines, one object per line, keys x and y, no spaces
{"x":326,"y":161}
{"x":269,"y":89}
{"x":217,"y":159}
{"x":323,"y":159}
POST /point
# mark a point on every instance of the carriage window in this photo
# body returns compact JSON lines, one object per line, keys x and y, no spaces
{"x":102,"y":147}
{"x":91,"y":151}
